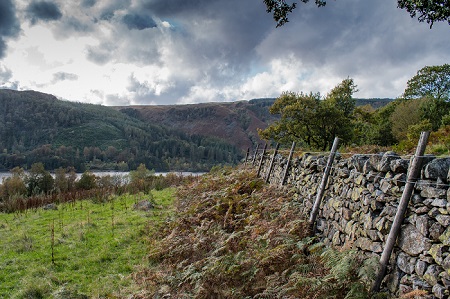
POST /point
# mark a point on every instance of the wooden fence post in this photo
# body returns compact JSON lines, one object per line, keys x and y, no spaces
{"x":271,"y":162}
{"x":262,"y":158}
{"x":287,"y":164}
{"x":413,"y":173}
{"x":246,"y":156}
{"x":323,"y":184}
{"x":256,"y":153}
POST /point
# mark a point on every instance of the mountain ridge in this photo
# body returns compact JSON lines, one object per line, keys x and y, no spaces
{"x":39,"y":127}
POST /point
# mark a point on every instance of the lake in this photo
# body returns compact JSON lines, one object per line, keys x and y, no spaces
{"x":4,"y":175}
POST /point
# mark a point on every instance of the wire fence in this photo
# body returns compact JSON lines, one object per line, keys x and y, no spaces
{"x":407,"y":179}
{"x":408,"y":157}
{"x":349,"y":154}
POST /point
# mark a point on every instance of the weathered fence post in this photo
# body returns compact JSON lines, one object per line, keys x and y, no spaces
{"x":413,"y":173}
{"x":262,"y":158}
{"x":287,"y":164}
{"x":246,"y":156}
{"x":323,"y":183}
{"x":256,"y":153}
{"x":271,"y":162}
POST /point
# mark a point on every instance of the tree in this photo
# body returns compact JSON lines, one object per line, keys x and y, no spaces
{"x":281,"y":9}
{"x":140,"y":178}
{"x":312,"y":121}
{"x":434,"y":110}
{"x":430,"y":81}
{"x":87,"y":181}
{"x":39,"y":180}
{"x":406,"y":114}
{"x":297,"y":119}
{"x":430,"y":11}
{"x":381,"y":126}
{"x":433,"y":84}
{"x":61,"y":181}
{"x":13,"y":185}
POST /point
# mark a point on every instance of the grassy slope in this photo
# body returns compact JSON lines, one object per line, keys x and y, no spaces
{"x":96,"y":248}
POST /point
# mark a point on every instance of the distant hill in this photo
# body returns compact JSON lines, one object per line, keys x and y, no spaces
{"x":37,"y":127}
{"x":374,"y":102}
{"x":234,"y":122}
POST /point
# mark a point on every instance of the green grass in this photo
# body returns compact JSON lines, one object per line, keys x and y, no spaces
{"x":96,"y":248}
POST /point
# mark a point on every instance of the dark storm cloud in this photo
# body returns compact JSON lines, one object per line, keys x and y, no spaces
{"x":70,"y":23}
{"x":5,"y":79}
{"x":175,"y":7}
{"x":43,"y":10}
{"x":5,"y":74}
{"x":354,"y":37}
{"x":109,"y":10}
{"x":361,"y":39}
{"x":138,"y":21}
{"x":217,"y":37}
{"x":9,"y":24}
{"x":88,"y":3}
{"x":63,"y":76}
{"x":101,"y":54}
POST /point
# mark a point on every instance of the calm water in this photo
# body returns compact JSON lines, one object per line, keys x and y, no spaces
{"x":4,"y":175}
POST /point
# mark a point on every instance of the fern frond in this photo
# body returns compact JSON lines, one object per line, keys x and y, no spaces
{"x":357,"y":291}
{"x":368,"y":271}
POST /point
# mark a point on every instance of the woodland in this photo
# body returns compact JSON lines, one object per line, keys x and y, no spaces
{"x":313,"y":120}
{"x":37,"y":127}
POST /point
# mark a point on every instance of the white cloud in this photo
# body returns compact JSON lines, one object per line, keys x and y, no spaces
{"x":210,"y":50}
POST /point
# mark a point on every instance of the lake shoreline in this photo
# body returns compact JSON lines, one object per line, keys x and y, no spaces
{"x":6,"y":174}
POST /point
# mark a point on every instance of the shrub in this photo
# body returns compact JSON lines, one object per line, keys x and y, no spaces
{"x":87,"y":181}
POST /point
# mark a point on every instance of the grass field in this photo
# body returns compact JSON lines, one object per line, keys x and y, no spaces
{"x":80,"y":250}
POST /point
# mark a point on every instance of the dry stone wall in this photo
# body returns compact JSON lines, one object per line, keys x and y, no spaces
{"x":359,"y":206}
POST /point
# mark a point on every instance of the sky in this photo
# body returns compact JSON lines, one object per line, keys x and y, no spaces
{"x":148,"y":52}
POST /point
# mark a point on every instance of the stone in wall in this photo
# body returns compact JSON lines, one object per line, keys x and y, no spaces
{"x":420,"y":267}
{"x":399,"y":166}
{"x":406,"y":263}
{"x":432,"y":192}
{"x":431,"y":276}
{"x":437,"y":168}
{"x":358,"y":161}
{"x":412,"y":241}
{"x":440,"y":291}
{"x":436,"y":231}
{"x":384,"y":164}
{"x":445,"y":237}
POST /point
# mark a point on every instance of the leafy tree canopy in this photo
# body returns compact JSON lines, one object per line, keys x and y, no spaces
{"x":430,"y":82}
{"x":429,"y":11}
{"x":312,"y":121}
{"x":281,"y":9}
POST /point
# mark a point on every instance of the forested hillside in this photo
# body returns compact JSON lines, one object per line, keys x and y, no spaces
{"x":37,"y":127}
{"x":236,"y":123}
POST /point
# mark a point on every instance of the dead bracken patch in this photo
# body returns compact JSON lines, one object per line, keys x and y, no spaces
{"x":233,"y":236}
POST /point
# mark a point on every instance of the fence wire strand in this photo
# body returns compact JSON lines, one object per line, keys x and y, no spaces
{"x":420,"y":181}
